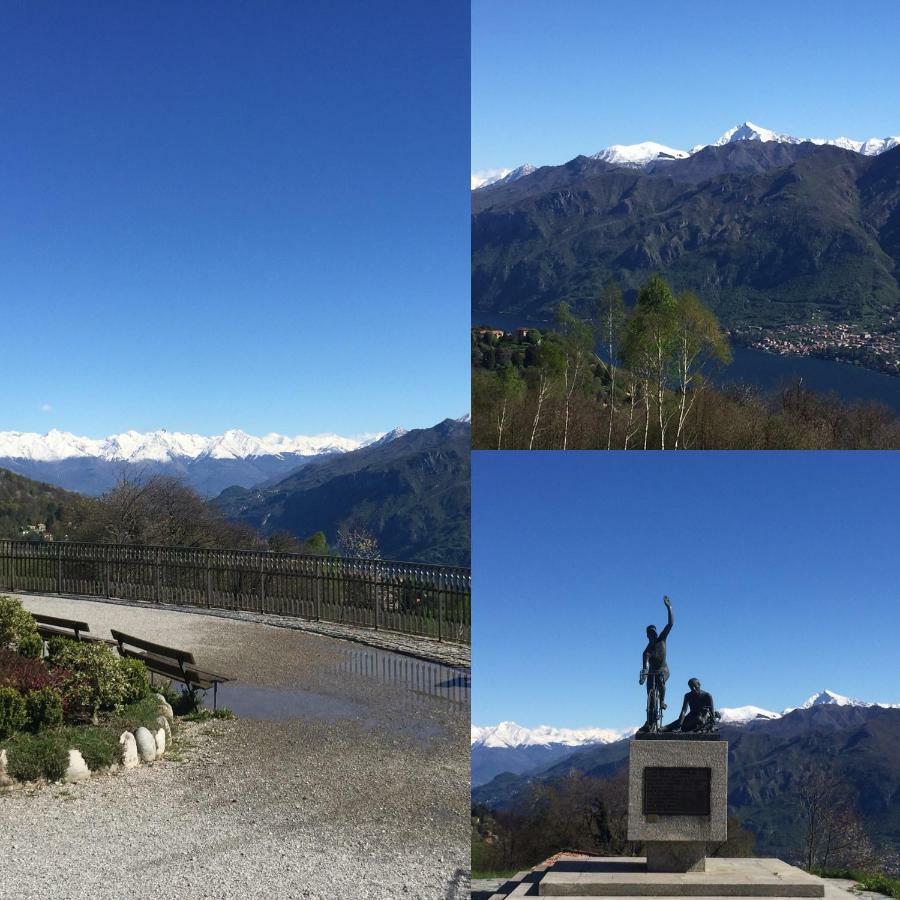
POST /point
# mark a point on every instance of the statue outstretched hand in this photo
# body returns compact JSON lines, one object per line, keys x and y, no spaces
{"x":668,"y":602}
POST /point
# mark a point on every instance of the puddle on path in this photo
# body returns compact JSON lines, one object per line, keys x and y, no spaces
{"x":250,"y":701}
{"x":412,"y":685}
{"x":408,"y":674}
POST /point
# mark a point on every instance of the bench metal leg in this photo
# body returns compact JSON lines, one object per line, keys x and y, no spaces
{"x":215,"y":692}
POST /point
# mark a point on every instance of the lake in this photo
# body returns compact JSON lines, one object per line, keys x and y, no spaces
{"x":767,"y":370}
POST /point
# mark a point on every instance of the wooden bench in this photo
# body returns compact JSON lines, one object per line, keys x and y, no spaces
{"x":177,"y":665}
{"x":51,"y":626}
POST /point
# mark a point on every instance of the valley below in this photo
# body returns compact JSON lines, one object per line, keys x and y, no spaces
{"x":766,"y":364}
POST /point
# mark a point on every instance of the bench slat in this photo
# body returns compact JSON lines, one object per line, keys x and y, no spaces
{"x":60,"y":623}
{"x":182,"y":656}
{"x":161,"y":666}
{"x":46,"y":631}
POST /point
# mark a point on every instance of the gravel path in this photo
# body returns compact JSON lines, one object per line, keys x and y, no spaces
{"x":353,"y":787}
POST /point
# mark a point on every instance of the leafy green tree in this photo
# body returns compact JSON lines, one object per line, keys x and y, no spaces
{"x":317,"y":544}
{"x":649,"y":347}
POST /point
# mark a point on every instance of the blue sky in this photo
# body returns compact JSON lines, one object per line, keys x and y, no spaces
{"x":781,"y":567}
{"x":234,"y":215}
{"x":550,"y":81}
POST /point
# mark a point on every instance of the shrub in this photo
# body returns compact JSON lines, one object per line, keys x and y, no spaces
{"x":31,"y":646}
{"x":12,"y":711}
{"x":93,"y":679}
{"x":34,"y":756}
{"x":137,"y":679}
{"x":99,"y":746}
{"x":26,"y":674}
{"x":57,"y":646}
{"x":16,"y":622}
{"x":44,"y":709}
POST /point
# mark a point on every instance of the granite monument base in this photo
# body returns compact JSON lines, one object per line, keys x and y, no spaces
{"x":677,"y":799}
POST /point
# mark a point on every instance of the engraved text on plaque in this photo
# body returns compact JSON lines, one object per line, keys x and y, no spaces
{"x":676,"y":791}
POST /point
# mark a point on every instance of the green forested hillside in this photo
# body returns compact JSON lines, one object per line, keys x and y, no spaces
{"x":411,"y":493}
{"x":24,"y":502}
{"x":767,"y":235}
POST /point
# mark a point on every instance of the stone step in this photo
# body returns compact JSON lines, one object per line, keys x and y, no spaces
{"x":679,"y":884}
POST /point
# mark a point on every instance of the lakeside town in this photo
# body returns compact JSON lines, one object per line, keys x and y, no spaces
{"x":841,"y":342}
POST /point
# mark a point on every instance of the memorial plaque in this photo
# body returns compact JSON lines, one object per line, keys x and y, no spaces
{"x":676,"y":791}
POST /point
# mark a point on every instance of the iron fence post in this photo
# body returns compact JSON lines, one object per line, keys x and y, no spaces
{"x":319,"y":577}
{"x":58,"y":569}
{"x":106,"y":566}
{"x":156,"y":574}
{"x":208,"y":578}
{"x":375,"y":594}
{"x":262,"y":582}
{"x":440,"y":612}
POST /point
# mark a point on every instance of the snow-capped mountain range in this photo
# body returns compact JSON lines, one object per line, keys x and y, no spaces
{"x":208,"y":463}
{"x":512,"y":748}
{"x":509,"y":734}
{"x":165,"y":446}
{"x":638,"y":156}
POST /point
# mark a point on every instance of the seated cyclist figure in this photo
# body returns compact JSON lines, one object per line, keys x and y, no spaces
{"x":698,"y":712}
{"x":654,"y":662}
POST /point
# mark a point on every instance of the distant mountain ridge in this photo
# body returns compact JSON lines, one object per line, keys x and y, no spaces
{"x":642,"y":154}
{"x":512,"y":748}
{"x":207,"y":463}
{"x":411,"y":493}
{"x":857,"y":743}
{"x":767,"y":233}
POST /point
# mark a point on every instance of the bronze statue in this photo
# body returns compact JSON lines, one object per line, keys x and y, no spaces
{"x":698,"y":712}
{"x":655,"y":672}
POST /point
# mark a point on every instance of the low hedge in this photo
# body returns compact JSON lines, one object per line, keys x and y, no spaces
{"x":13,"y":713}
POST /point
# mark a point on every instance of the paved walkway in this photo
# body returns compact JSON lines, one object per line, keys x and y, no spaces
{"x":346,"y":775}
{"x":570,"y":867}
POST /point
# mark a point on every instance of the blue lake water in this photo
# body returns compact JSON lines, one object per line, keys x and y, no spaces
{"x":767,"y":370}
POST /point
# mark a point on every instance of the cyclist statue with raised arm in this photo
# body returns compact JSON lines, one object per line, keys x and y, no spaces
{"x":654,"y":671}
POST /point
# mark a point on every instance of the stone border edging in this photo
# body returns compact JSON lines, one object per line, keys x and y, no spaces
{"x":140,"y":746}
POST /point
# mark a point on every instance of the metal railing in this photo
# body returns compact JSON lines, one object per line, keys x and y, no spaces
{"x":432,"y":601}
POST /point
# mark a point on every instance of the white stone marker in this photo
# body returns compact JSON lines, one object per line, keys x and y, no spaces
{"x":146,"y":744}
{"x":77,"y":770}
{"x":130,"y":759}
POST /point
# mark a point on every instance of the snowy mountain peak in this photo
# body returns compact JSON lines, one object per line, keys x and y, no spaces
{"x":510,"y":734}
{"x":830,"y":698}
{"x":750,"y":132}
{"x":638,"y":155}
{"x":504,"y":176}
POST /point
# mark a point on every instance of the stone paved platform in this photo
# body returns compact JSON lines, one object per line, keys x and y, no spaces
{"x":618,"y":877}
{"x":773,"y":877}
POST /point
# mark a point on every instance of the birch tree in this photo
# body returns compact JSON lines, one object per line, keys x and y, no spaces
{"x":698,"y":340}
{"x":610,"y":322}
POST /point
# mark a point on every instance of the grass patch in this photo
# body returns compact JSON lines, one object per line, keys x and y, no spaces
{"x":205,"y":715}
{"x":35,"y":756}
{"x":145,"y":712}
{"x":871,"y":881}
{"x":99,"y":746}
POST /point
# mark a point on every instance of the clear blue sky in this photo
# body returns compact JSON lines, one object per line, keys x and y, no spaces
{"x":234,"y":214}
{"x":782,"y":569}
{"x":550,"y":80}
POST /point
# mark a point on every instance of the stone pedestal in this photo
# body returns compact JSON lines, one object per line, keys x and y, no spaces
{"x":677,"y":799}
